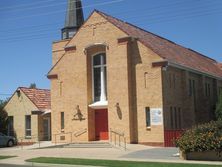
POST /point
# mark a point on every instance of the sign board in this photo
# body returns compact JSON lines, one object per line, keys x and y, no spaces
{"x":156,"y":116}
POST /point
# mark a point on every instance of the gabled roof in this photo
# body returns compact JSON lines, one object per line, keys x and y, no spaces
{"x":168,"y":50}
{"x":219,"y":65}
{"x":39,"y":97}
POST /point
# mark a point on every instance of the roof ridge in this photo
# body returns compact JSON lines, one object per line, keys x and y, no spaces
{"x":202,"y":54}
{"x":130,"y":24}
{"x":33,"y":88}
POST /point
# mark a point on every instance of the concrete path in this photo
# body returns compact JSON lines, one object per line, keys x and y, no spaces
{"x":133,"y":153}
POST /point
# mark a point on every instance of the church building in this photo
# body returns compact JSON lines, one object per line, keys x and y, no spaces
{"x":111,"y":76}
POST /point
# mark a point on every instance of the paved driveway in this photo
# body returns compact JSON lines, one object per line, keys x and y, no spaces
{"x":133,"y":153}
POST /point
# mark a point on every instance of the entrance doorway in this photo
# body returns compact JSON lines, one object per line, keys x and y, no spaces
{"x":101,"y":124}
{"x":47,"y":129}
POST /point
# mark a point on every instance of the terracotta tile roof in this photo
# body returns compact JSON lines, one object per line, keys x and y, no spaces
{"x":40,"y":97}
{"x":219,"y":65}
{"x":168,"y":50}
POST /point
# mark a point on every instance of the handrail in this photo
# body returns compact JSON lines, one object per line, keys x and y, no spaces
{"x":32,"y":139}
{"x":76,"y":134}
{"x":120,"y":135}
{"x":80,"y":132}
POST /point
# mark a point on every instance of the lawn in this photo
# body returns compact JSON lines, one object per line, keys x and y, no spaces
{"x":5,"y":157}
{"x":109,"y":163}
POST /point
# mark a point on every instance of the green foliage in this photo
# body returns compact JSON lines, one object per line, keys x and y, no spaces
{"x":32,"y":86}
{"x":5,"y":157}
{"x":3,"y":117}
{"x":218,"y":111}
{"x":205,"y":137}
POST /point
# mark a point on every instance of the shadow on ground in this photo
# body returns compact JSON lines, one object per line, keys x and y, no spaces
{"x":154,"y":153}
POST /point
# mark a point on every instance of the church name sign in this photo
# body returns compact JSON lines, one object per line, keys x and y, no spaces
{"x":156,"y":116}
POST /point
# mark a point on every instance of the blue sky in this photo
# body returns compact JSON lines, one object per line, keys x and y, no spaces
{"x":28,"y":28}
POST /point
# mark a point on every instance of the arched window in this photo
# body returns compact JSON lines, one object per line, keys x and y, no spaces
{"x":99,"y":77}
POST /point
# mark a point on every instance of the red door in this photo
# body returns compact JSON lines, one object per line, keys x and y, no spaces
{"x":101,"y":124}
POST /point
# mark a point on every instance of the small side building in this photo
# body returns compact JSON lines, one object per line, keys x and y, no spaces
{"x":29,"y":114}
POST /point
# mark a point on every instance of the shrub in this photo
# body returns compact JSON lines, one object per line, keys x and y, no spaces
{"x":205,"y":137}
{"x":3,"y":117}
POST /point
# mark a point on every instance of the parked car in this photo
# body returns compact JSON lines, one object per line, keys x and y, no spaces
{"x":8,"y":141}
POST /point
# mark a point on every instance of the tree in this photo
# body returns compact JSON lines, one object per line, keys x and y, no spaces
{"x":3,"y":117}
{"x":218,"y":111}
{"x":32,"y":86}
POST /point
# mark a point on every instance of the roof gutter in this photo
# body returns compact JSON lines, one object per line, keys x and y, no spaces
{"x":166,"y":63}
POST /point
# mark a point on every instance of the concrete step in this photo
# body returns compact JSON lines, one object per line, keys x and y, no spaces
{"x":88,"y":145}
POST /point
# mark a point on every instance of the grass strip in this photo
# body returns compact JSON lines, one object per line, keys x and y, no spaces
{"x":109,"y":163}
{"x":6,"y":157}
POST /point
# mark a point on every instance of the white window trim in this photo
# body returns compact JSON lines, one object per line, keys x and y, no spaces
{"x":27,"y":136}
{"x":92,"y":69}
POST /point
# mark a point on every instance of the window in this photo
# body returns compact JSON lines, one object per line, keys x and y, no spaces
{"x":99,"y":77}
{"x":148,"y":121}
{"x":62,"y":120}
{"x":192,"y":87}
{"x":60,"y":88}
{"x":146,"y":79}
{"x":28,"y":131}
{"x":175,"y":118}
{"x":172,"y":80}
{"x":207,"y":89}
{"x":179,"y":118}
{"x":171,"y":118}
{"x":10,"y":126}
{"x":220,"y":90}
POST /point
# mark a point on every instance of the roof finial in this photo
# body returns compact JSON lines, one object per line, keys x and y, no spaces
{"x":74,"y":19}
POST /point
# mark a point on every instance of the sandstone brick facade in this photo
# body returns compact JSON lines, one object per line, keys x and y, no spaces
{"x":18,"y":107}
{"x":133,"y":84}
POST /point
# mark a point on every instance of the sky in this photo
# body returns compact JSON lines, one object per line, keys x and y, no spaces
{"x":28,"y":28}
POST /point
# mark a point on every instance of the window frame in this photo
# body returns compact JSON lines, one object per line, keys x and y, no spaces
{"x":98,"y":66}
{"x":62,"y":119}
{"x":28,"y":129}
{"x":148,"y":117}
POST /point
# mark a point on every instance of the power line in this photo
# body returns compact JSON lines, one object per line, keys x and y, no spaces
{"x":149,"y":21}
{"x":28,"y":27}
{"x":161,"y":19}
{"x":180,"y":10}
{"x":125,"y":12}
{"x":55,"y":23}
{"x":26,"y":36}
{"x":37,"y":7}
{"x":181,"y":16}
{"x":24,"y":5}
{"x":59,"y":11}
{"x":5,"y":94}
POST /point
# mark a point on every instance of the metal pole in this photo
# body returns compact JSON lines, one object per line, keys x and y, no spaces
{"x":115,"y":139}
{"x":39,"y":140}
{"x":21,"y":145}
{"x":110,"y":136}
{"x":125,"y":143}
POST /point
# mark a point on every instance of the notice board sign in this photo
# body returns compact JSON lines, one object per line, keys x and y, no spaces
{"x":156,"y":116}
